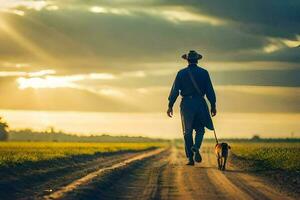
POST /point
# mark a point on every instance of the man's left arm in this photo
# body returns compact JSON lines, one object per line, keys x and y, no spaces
{"x":211,"y":96}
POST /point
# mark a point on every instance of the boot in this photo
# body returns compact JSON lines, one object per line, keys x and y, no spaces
{"x":198,"y":157}
{"x":191,"y":162}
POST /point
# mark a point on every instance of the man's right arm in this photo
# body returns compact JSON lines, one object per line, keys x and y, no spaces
{"x":173,"y":95}
{"x":174,"y":91}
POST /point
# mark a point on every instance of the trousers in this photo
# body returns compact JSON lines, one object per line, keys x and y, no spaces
{"x":191,"y":117}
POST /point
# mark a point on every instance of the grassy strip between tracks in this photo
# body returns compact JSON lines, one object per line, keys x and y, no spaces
{"x":14,"y":153}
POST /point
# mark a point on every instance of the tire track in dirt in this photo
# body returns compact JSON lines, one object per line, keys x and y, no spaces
{"x":33,"y":182}
{"x":194,"y":180}
{"x":231,"y":190}
{"x":253,"y":185}
{"x":241,"y":185}
{"x":59,"y":194}
{"x":165,"y":176}
{"x":171,"y":180}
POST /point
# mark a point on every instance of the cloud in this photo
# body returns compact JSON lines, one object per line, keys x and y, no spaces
{"x":44,"y":79}
{"x":42,"y":73}
{"x":36,"y":5}
{"x":136,"y":74}
{"x":107,"y":10}
{"x":158,"y":32}
{"x":267,"y":77}
{"x":69,"y":93}
{"x":48,"y":82}
{"x":111,"y":92}
{"x":15,"y":65}
{"x":268,"y":18}
{"x":271,"y":18}
{"x":178,"y":14}
{"x":101,"y":76}
{"x":29,"y":74}
{"x":91,"y":38}
{"x":130,"y":50}
{"x":288,"y":92}
{"x":12,"y":73}
{"x":240,"y":98}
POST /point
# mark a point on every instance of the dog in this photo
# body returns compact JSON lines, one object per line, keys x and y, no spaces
{"x":221,"y":150}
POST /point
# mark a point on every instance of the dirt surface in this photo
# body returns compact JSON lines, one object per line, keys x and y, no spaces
{"x":165,"y":176}
{"x":35,"y":180}
{"x":284,"y":180}
{"x":153,"y":174}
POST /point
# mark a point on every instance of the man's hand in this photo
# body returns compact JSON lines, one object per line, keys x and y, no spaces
{"x":170,"y":112}
{"x":213,"y":112}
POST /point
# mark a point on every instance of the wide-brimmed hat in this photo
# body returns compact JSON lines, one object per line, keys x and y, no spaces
{"x":192,"y":55}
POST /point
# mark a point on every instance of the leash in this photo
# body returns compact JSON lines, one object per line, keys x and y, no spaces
{"x":217,"y":142}
{"x":215,"y":134}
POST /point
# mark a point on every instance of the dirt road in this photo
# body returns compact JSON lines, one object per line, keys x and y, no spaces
{"x":163,"y":175}
{"x":29,"y":181}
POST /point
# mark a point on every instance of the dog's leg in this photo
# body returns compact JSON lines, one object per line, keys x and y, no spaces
{"x":219,"y":162}
{"x":224,"y":163}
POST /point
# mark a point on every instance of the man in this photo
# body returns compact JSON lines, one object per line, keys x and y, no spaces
{"x":193,"y":83}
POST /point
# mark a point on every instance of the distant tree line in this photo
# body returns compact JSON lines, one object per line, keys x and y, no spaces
{"x":30,"y":135}
{"x":3,"y":130}
{"x":58,"y":136}
{"x":255,"y":139}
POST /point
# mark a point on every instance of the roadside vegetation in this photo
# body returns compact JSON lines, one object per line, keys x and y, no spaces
{"x":13,"y":153}
{"x":268,"y":156}
{"x":277,"y":162}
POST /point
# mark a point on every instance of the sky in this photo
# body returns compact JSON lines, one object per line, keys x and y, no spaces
{"x":123,"y":55}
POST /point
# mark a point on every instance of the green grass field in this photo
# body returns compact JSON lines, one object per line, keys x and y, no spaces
{"x":283,"y":156}
{"x":12,"y":153}
{"x":267,"y":155}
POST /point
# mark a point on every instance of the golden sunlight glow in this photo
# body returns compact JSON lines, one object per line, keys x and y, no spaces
{"x":173,"y":14}
{"x":12,"y":73}
{"x":15,"y":65}
{"x":48,"y":82}
{"x":18,"y":12}
{"x":103,"y":76}
{"x":184,"y":15}
{"x":42,"y":73}
{"x":116,"y":60}
{"x":111,"y":92}
{"x":179,"y":14}
{"x":24,"y":42}
{"x":137,"y":74}
{"x":12,"y":6}
{"x":292,"y":43}
{"x":98,"y":9}
{"x":135,"y":124}
{"x":36,"y":5}
{"x":106,"y":10}
{"x":271,"y":48}
{"x":30,"y":74}
{"x":41,"y":79}
{"x":277,"y":44}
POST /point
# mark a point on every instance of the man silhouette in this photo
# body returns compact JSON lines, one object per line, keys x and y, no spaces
{"x":193,"y":83}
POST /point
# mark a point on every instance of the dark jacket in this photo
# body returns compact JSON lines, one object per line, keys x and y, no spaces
{"x":183,"y":85}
